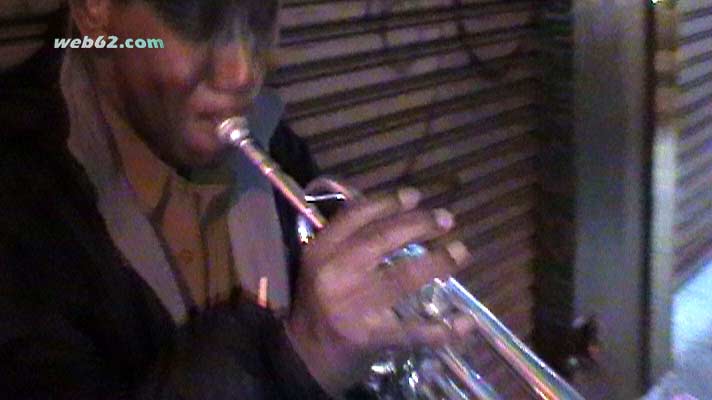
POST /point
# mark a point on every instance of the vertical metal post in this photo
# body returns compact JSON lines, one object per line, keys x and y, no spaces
{"x":613,"y":139}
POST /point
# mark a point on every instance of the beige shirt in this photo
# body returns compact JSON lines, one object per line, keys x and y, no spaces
{"x":143,"y":201}
{"x":189,"y":218}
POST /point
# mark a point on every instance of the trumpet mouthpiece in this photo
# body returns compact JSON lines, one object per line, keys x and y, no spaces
{"x":233,"y":130}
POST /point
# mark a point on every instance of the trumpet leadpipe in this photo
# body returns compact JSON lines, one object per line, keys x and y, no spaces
{"x":234,"y":131}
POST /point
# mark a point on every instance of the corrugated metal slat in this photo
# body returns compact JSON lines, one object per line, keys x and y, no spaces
{"x":693,"y":227}
{"x":436,"y":96}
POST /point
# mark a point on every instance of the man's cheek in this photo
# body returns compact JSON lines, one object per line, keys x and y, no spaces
{"x":136,"y":73}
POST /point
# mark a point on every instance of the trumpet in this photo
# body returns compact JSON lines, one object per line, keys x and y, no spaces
{"x":439,"y":373}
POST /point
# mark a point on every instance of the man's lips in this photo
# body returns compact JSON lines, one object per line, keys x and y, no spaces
{"x":219,"y":116}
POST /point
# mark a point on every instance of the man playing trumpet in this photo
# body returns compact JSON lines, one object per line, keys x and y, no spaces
{"x":135,"y":246}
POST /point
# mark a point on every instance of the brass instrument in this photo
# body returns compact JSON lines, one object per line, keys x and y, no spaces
{"x":440,"y":373}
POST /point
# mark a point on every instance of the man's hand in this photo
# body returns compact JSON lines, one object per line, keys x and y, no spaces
{"x":343,"y":310}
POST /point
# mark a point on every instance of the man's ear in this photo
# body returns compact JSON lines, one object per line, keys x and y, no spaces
{"x":91,"y":16}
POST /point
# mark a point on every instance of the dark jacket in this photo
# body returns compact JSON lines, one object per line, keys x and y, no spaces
{"x":76,"y":323}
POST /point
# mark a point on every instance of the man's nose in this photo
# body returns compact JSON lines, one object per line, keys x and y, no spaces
{"x":235,"y":68}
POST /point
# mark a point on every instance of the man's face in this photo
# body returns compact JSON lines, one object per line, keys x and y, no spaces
{"x":175,"y":96}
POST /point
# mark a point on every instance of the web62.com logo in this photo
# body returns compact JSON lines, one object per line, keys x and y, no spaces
{"x":112,"y":42}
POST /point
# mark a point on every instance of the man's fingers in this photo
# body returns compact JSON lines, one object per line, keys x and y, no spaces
{"x":386,"y":288}
{"x":366,"y":250}
{"x":438,"y":333}
{"x":386,"y":285}
{"x":349,"y":220}
{"x":407,"y":277}
{"x":389,"y":235}
{"x":395,"y":332}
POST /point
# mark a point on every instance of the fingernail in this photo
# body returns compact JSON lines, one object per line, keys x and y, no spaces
{"x":409,"y":197}
{"x":444,"y":218}
{"x":458,"y":251}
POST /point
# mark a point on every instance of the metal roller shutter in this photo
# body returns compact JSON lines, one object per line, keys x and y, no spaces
{"x":693,"y":240}
{"x":437,"y":94}
{"x":23,"y":24}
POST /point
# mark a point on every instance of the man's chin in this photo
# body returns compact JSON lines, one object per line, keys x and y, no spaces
{"x":203,"y":149}
{"x":199,"y":158}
